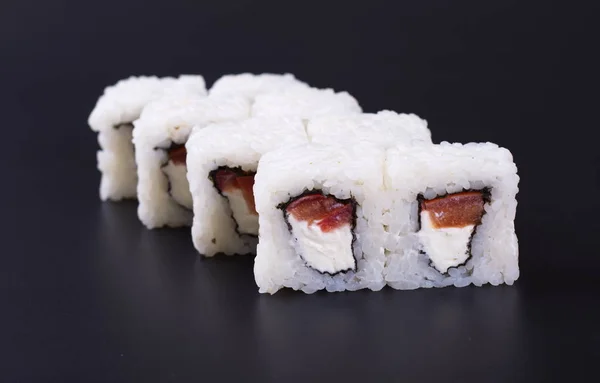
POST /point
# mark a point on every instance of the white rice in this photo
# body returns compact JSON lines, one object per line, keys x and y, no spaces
{"x":304,"y":103}
{"x":354,"y":172}
{"x":384,"y":129}
{"x":120,"y":104}
{"x":164,"y":122}
{"x":251,"y":85}
{"x":235,"y":144}
{"x":442,"y":169}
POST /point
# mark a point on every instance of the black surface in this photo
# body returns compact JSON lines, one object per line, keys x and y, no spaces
{"x":87,"y":294}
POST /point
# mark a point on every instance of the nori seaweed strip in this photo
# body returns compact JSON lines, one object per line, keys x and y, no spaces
{"x":165,"y":163}
{"x":283,"y":206}
{"x":239,"y":172}
{"x":486,"y":194}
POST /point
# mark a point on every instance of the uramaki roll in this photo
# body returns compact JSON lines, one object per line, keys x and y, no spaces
{"x":160,"y":136}
{"x":113,"y":117}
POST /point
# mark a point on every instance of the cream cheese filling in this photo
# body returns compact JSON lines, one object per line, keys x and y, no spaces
{"x":329,"y":252}
{"x":180,"y":188}
{"x":247,"y":220}
{"x":446,"y":247}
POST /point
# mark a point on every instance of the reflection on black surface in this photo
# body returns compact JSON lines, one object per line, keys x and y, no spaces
{"x":167,"y":304}
{"x":420,"y":331}
{"x":170,"y":312}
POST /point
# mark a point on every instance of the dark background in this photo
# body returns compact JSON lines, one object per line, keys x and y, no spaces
{"x":88,"y":294}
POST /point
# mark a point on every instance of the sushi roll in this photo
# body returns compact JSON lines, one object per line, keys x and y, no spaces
{"x":113,"y":117}
{"x":319,"y":218}
{"x":306,"y":103}
{"x":251,"y":85}
{"x":160,"y":136}
{"x":450,"y":216}
{"x":222,"y":162}
{"x":221,"y":173}
{"x":385,"y":129}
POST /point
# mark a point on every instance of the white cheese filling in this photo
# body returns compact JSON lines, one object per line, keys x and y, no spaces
{"x":247,"y":220}
{"x":180,"y":188}
{"x":329,"y":252}
{"x":446,"y":247}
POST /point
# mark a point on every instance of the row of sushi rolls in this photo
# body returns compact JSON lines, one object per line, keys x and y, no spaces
{"x":325,"y":196}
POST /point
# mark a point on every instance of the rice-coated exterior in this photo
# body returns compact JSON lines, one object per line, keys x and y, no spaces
{"x":344,"y":172}
{"x":116,"y":162}
{"x":437,"y":170}
{"x":251,"y":85}
{"x":123,"y":103}
{"x":234,"y":144}
{"x":385,"y":128}
{"x":163,"y":122}
{"x":304,"y":103}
